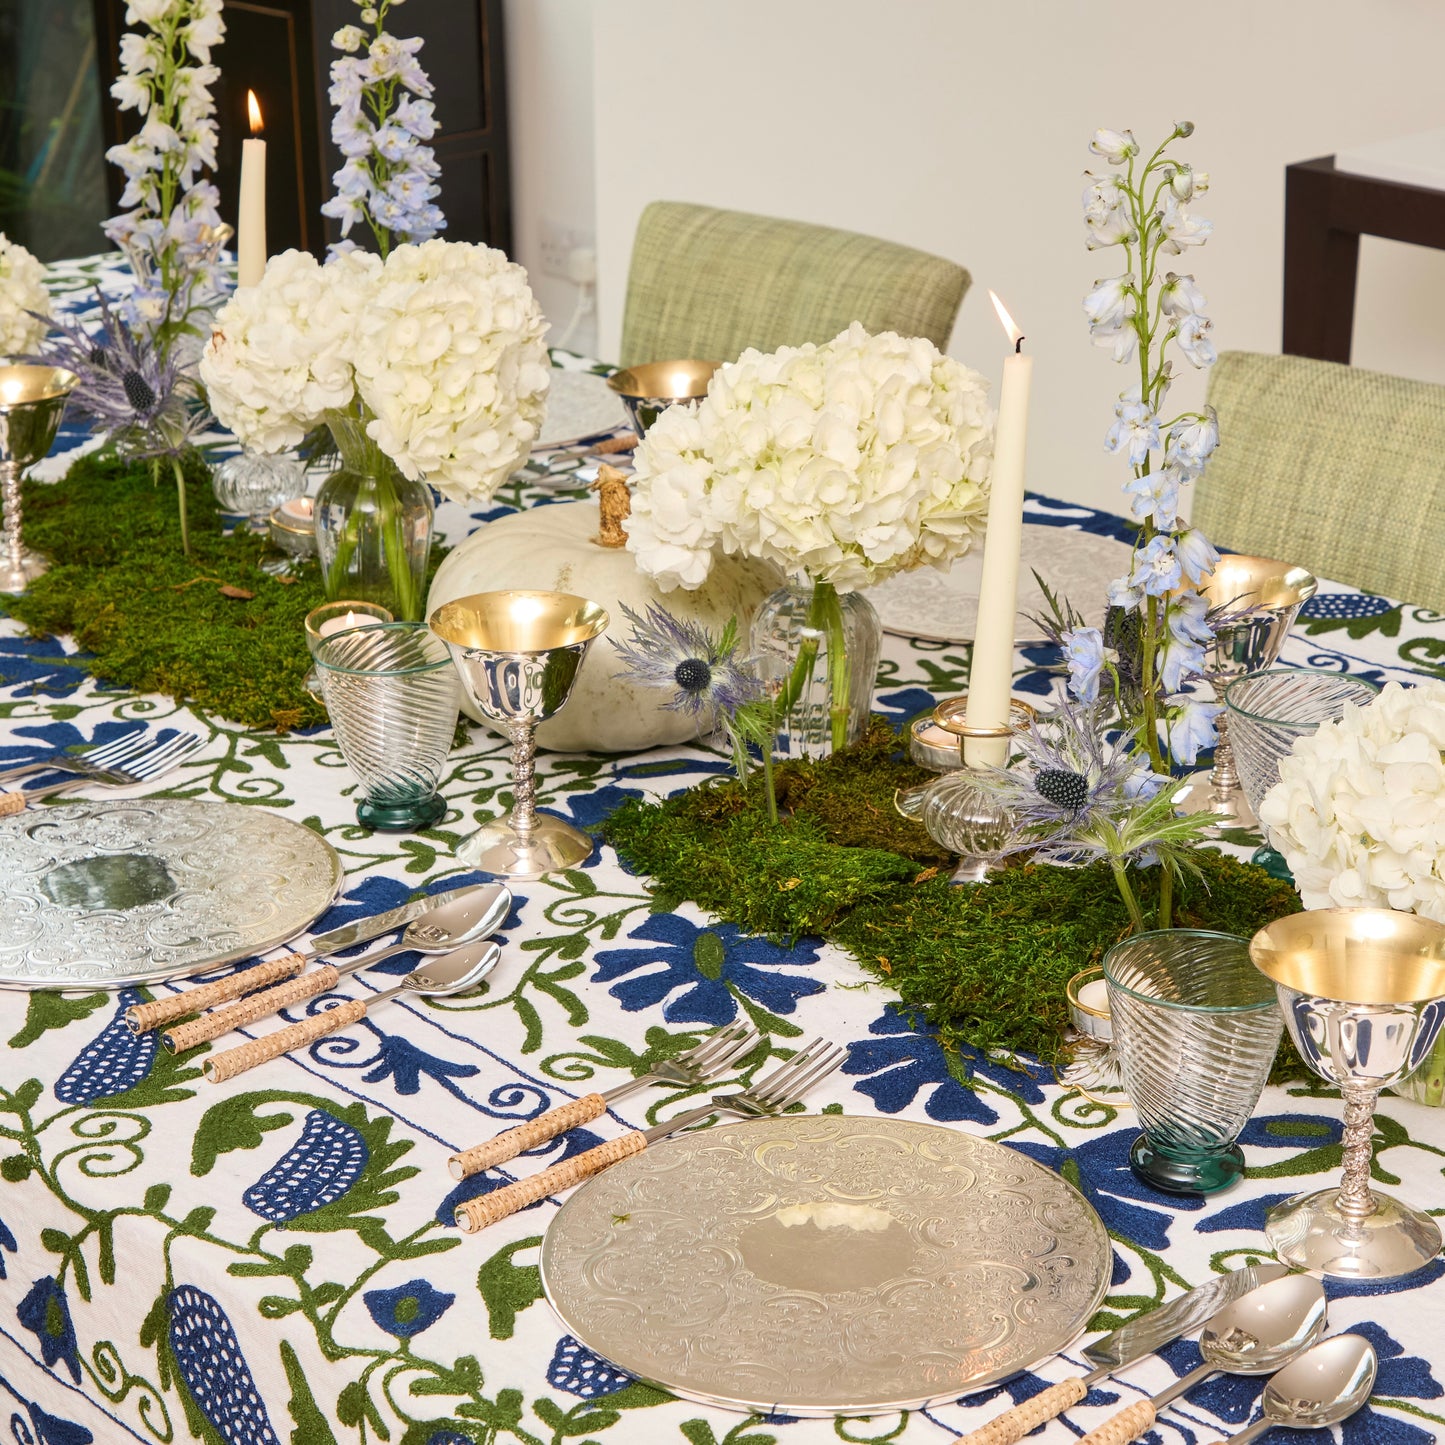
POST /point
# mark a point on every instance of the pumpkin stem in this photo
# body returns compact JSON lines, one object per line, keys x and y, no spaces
{"x":615,"y":501}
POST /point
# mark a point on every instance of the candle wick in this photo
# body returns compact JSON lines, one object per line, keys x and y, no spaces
{"x":1018,"y":346}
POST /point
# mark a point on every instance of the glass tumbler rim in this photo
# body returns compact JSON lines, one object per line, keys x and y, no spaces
{"x":1214,"y":1010}
{"x":418,"y":630}
{"x":1260,"y":717}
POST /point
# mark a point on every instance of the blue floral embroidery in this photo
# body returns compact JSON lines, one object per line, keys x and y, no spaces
{"x":408,"y":1309}
{"x":902,"y":704}
{"x":39,"y":665}
{"x":901,"y":1061}
{"x":578,"y":1371}
{"x":700,"y":971}
{"x":117,"y":1059}
{"x":397,"y":1059}
{"x":317,"y":1170}
{"x":7,"y":1241}
{"x":1345,"y":606}
{"x":46,"y":1312}
{"x":50,"y":1430}
{"x":208,"y":1358}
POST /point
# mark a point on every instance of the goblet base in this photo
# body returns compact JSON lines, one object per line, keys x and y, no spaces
{"x":401,"y":816}
{"x":13,"y":580}
{"x":498,"y":848}
{"x":1190,"y":1171}
{"x":972,"y":870}
{"x":1310,"y":1232}
{"x":1197,"y":794}
{"x":1272,"y":861}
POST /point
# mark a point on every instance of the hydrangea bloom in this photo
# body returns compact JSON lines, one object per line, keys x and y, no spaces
{"x":441,"y":346}
{"x":1359,"y":809}
{"x":845,"y":463}
{"x":22,"y":291}
{"x":383,"y":118}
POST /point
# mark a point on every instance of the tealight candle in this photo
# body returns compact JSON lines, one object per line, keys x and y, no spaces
{"x":299,"y":511}
{"x":936,"y":737}
{"x":345,"y":622}
{"x":1095,"y":995}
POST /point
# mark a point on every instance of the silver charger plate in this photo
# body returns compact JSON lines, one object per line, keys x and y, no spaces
{"x":825,"y":1264}
{"x":943,"y":606}
{"x":106,"y":894}
{"x":580,"y":404}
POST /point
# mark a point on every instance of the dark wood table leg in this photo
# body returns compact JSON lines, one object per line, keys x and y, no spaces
{"x":1320,"y":265}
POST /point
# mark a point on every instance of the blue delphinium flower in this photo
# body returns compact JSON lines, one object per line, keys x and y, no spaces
{"x":407,"y":1309}
{"x":1084,"y":653}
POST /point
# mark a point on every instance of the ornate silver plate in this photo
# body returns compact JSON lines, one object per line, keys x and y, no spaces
{"x":579,"y":404}
{"x":943,"y":606}
{"x":825,"y":1264}
{"x":104,"y":894}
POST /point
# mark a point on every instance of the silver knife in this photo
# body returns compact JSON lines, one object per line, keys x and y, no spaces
{"x":363,"y":930}
{"x":1132,"y":1341}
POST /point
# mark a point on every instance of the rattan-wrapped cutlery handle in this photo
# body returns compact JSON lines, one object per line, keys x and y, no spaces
{"x":1013,"y":1425}
{"x":247,"y":1010}
{"x":12,"y":803}
{"x":512,"y":1142}
{"x":1127,"y":1425}
{"x":236,"y":1061}
{"x":487,"y":1209}
{"x":143,"y":1017}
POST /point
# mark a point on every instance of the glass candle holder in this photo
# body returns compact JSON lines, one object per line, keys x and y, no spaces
{"x":1196,"y":1028}
{"x":393,"y":696}
{"x":333,"y":617}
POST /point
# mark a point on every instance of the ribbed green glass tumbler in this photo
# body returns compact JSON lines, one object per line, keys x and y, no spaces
{"x":1195,"y":1036}
{"x":393,"y":695}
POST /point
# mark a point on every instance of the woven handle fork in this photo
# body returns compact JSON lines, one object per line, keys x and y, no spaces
{"x":1013,"y":1425}
{"x":512,"y":1142}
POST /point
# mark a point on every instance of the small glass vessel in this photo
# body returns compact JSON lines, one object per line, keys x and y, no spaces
{"x":253,"y":485}
{"x":817,"y":651}
{"x":373,"y":526}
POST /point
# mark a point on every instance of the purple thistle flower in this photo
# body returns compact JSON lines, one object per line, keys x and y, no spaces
{"x":705,"y":673}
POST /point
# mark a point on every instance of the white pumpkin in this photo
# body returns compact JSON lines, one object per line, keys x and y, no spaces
{"x":550,"y":549}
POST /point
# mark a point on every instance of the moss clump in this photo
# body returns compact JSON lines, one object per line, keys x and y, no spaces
{"x":155,"y":620}
{"x":984,"y":965}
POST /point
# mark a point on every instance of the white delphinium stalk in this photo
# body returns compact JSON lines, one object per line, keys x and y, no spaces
{"x":383,"y":119}
{"x":171,"y":229}
{"x":22,"y":292}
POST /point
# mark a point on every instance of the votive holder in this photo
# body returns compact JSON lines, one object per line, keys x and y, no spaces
{"x":393,"y":697}
{"x":1196,"y":1028}
{"x":333,"y":617}
{"x":253,"y":484}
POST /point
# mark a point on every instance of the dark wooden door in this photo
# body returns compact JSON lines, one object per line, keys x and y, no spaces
{"x":282,"y":50}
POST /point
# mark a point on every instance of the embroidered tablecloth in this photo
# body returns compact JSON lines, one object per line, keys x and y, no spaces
{"x":273,"y":1259}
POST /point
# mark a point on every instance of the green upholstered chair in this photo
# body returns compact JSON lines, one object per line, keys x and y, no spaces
{"x":1334,"y":468}
{"x":708,"y":284}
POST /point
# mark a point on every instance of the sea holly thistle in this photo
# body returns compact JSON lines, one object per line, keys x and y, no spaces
{"x":383,"y":119}
{"x":1142,"y":207}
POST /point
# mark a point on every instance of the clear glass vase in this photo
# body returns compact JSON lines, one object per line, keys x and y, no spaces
{"x":817,"y":651}
{"x":373,"y":526}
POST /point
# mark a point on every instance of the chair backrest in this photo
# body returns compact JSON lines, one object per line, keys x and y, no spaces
{"x":1334,"y":468}
{"x":707,"y":284}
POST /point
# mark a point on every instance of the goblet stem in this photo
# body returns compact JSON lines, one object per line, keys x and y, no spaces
{"x":1355,"y":1200}
{"x":524,"y":782}
{"x":10,"y":492}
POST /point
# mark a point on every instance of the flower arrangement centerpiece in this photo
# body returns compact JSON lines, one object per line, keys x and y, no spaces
{"x":841,"y":464}
{"x":171,"y":232}
{"x":382,"y":123}
{"x":24,"y":300}
{"x":428,"y":367}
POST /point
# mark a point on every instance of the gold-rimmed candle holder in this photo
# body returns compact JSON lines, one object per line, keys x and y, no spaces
{"x":648,"y":390}
{"x":519,"y":654}
{"x":1253,"y":603}
{"x":32,"y":403}
{"x":1363,"y":996}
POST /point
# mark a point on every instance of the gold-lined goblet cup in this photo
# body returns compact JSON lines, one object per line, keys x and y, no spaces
{"x":1363,"y":995}
{"x":32,"y":403}
{"x":648,"y":390}
{"x":519,"y":654}
{"x":1253,"y":603}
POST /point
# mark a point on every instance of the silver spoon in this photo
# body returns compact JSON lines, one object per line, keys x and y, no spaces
{"x":1253,"y":1335}
{"x":453,"y":973}
{"x":476,"y":914}
{"x":1325,"y":1385}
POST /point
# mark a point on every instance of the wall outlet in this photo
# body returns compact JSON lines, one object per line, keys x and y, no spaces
{"x":558,"y":247}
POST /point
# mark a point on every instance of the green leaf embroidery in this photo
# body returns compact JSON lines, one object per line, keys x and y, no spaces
{"x":507,"y":1288}
{"x":311,"y":1427}
{"x":47,"y":1010}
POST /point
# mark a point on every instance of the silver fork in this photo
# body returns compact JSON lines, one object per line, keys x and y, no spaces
{"x":771,"y":1095}
{"x":159,"y":759}
{"x":93,"y":762}
{"x":699,"y":1065}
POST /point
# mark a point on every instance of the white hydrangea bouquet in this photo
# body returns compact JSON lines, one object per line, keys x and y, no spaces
{"x":23,"y":300}
{"x":430,"y":365}
{"x":1359,"y":809}
{"x":841,"y":464}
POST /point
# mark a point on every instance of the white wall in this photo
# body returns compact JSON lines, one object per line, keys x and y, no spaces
{"x":550,"y":112}
{"x":961,"y":127}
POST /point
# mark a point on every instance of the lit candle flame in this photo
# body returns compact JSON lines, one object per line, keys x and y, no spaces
{"x":253,"y":109}
{"x":1006,"y":321}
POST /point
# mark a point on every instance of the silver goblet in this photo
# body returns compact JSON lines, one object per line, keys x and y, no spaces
{"x":1253,"y":602}
{"x":1363,"y":994}
{"x":519,"y":654}
{"x":32,"y":402}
